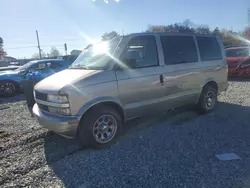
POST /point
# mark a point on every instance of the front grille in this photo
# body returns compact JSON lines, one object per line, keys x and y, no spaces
{"x":43,"y":107}
{"x":41,"y":96}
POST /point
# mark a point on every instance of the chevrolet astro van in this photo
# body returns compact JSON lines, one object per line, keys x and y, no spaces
{"x":127,"y":77}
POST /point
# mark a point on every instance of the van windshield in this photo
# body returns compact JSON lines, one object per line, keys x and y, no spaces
{"x":97,"y":56}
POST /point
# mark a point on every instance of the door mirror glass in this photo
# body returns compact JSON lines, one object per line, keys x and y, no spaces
{"x":129,"y":63}
{"x":23,"y":71}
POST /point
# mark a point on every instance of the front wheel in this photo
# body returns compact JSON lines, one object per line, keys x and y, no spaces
{"x":208,"y":100}
{"x":7,"y":89}
{"x":100,"y":127}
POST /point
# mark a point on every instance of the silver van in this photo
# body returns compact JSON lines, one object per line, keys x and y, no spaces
{"x":127,"y":77}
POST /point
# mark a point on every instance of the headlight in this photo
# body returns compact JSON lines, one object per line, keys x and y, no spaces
{"x":58,"y":98}
{"x":62,"y":111}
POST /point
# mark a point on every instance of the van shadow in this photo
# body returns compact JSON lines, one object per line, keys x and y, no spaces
{"x":239,"y":79}
{"x":16,"y":98}
{"x":160,"y":150}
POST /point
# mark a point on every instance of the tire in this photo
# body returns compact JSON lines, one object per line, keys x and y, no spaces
{"x":206,"y":105}
{"x":8,"y":89}
{"x":91,"y":130}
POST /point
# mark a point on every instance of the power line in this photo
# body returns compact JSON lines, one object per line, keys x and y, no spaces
{"x":44,"y":46}
{"x":21,"y":47}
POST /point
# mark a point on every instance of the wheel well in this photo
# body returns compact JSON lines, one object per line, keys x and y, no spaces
{"x":114,"y":105}
{"x":12,"y":81}
{"x":212,"y":84}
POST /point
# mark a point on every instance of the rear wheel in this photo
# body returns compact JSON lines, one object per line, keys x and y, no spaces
{"x":100,"y":127}
{"x":208,"y":100}
{"x":7,"y":89}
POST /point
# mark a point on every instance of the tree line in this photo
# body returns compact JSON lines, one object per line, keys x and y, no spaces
{"x":2,"y":52}
{"x":229,"y":37}
{"x":54,"y":52}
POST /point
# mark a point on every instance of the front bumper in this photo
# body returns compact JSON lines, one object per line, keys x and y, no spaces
{"x":64,"y":126}
{"x":239,"y":71}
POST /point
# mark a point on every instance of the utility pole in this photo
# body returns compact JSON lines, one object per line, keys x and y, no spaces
{"x":65,"y":48}
{"x":38,"y":45}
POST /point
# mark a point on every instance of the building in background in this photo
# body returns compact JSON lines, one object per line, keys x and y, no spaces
{"x":75,"y":52}
{"x":6,"y":60}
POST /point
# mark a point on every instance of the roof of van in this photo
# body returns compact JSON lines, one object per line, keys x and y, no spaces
{"x":172,"y":33}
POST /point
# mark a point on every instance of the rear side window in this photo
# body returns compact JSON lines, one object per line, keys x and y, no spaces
{"x":179,"y":49}
{"x":209,"y":48}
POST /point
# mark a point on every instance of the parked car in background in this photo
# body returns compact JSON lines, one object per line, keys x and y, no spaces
{"x":8,"y":68}
{"x":238,"y":60}
{"x":10,"y":80}
{"x":127,"y":77}
{"x":15,"y":63}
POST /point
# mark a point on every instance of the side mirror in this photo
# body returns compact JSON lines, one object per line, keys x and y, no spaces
{"x":23,"y":71}
{"x":127,"y":64}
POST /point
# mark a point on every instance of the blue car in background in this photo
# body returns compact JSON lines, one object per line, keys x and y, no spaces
{"x":10,"y":80}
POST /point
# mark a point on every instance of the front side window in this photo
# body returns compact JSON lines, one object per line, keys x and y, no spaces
{"x":179,"y":49}
{"x":41,"y":66}
{"x":54,"y":65}
{"x":209,"y":48}
{"x":26,"y":67}
{"x":142,"y":50}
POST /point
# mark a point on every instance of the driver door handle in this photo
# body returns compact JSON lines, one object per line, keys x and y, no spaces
{"x":161,"y":79}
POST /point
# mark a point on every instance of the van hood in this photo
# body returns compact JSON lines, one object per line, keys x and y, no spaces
{"x":54,"y":83}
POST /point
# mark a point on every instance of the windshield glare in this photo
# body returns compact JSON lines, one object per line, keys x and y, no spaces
{"x":97,"y":56}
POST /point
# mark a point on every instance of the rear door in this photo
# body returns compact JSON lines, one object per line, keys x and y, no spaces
{"x":181,"y":72}
{"x":212,"y":65}
{"x":140,"y":89}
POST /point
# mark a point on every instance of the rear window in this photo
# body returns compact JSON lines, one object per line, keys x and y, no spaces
{"x":209,"y":48}
{"x":243,"y":52}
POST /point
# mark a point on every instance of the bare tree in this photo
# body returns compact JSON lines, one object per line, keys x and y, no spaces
{"x":54,"y":52}
{"x":109,"y":35}
{"x":37,"y":56}
{"x":2,"y":52}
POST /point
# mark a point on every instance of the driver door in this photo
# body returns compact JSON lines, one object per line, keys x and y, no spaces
{"x":140,"y":89}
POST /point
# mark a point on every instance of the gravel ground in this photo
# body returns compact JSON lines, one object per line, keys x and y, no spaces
{"x":176,"y":149}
